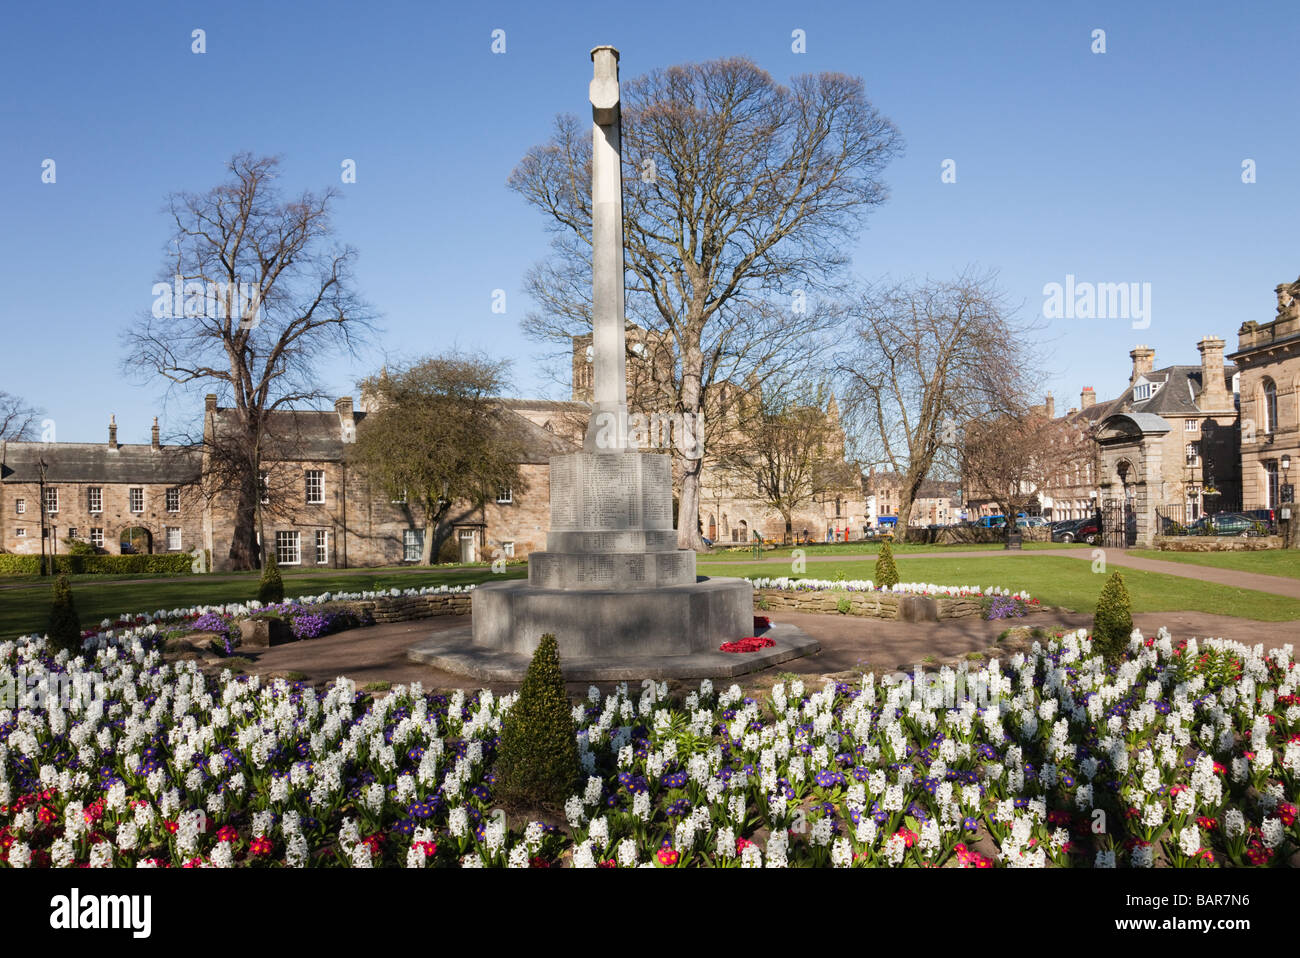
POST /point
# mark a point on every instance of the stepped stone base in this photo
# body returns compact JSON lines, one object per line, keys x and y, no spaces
{"x":453,"y":651}
{"x":615,"y":623}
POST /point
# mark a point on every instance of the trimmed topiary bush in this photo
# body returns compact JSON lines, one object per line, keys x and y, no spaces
{"x":1113,"y":622}
{"x":538,"y":762}
{"x":271,"y":589}
{"x":886,"y":572}
{"x":65,"y":626}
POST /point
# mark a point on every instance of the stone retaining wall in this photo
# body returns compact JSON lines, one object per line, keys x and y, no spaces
{"x":1217,"y":543}
{"x":878,"y":605}
{"x":404,"y":608}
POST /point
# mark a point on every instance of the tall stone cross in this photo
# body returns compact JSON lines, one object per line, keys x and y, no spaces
{"x":607,"y":430}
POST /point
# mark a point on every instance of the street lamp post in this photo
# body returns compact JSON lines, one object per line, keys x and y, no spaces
{"x":1288,"y":495}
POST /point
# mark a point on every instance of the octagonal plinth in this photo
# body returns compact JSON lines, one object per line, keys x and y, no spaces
{"x":611,"y":623}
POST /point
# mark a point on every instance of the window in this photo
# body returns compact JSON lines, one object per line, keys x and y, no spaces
{"x":505,"y":496}
{"x":1270,"y":473}
{"x":322,"y":546}
{"x":1192,"y":425}
{"x":508,"y":548}
{"x":287,"y":548}
{"x":72,"y":532}
{"x":137,"y":500}
{"x":412,"y":544}
{"x":52,"y":499}
{"x":265,"y":487}
{"x":1141,"y":392}
{"x":400,"y":499}
{"x":315,"y":487}
{"x":173,"y":500}
{"x":95,"y":499}
{"x":1193,"y":453}
{"x":97,"y":538}
{"x":20,"y":533}
{"x":20,"y":506}
{"x":173,"y":539}
{"x":1270,"y":406}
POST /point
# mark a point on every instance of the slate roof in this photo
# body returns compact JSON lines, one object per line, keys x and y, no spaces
{"x":1178,"y":395}
{"x":312,"y":435}
{"x":1147,"y":422}
{"x":95,"y":462}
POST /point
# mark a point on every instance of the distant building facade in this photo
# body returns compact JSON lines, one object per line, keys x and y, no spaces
{"x":1268,"y":355}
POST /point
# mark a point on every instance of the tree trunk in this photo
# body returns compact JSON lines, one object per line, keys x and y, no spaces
{"x":688,"y":512}
{"x":431,"y":546}
{"x":243,"y":540}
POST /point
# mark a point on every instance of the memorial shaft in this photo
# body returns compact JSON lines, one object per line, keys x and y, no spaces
{"x":609,"y":360}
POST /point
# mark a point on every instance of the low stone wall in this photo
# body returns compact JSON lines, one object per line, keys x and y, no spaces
{"x":877,"y":605}
{"x":1217,"y":543}
{"x":404,"y":608}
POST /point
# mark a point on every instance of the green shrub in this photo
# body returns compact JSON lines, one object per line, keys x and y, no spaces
{"x":844,"y":606}
{"x":271,"y":589}
{"x":538,"y":761}
{"x":171,"y":563}
{"x":886,"y":571}
{"x":79,"y":547}
{"x":1113,"y":622}
{"x":65,"y":626}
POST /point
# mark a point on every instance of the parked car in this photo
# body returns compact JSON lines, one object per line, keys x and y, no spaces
{"x":1229,"y":524}
{"x":1082,"y":530}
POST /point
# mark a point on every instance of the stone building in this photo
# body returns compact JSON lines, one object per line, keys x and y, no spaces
{"x":119,"y":497}
{"x":1169,"y":445}
{"x":937,"y":502}
{"x":1268,"y":355}
{"x":319,"y":511}
{"x":315,"y":510}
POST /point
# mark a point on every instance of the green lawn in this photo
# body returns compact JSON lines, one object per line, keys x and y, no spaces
{"x":25,"y":609}
{"x":1055,"y":580}
{"x":1283,"y":562}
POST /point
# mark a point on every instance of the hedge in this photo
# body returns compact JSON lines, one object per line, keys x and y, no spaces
{"x":174,"y":563}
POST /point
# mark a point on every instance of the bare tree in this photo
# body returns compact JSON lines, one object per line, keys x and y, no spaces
{"x":17,"y":419}
{"x":1013,"y":456}
{"x":262,"y":298}
{"x":790,"y":451}
{"x":740,"y":195}
{"x":924,"y":359}
{"x":437,"y":437}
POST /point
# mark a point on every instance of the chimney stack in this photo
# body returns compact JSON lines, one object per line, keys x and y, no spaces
{"x":1144,"y":360}
{"x":347,"y":421}
{"x":1214,"y":389}
{"x":1050,"y":406}
{"x":210,"y":403}
{"x":1087,"y":398}
{"x":154,"y":435}
{"x":112,"y":432}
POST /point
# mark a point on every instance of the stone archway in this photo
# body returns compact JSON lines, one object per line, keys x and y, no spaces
{"x":135,"y":540}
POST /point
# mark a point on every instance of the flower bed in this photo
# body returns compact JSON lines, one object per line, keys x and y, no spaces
{"x":309,"y":616}
{"x":1186,"y":754}
{"x":914,"y":601}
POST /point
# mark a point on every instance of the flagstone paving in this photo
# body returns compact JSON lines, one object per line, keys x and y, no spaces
{"x":378,"y":653}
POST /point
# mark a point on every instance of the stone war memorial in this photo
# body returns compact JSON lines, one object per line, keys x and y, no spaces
{"x":621,"y":599}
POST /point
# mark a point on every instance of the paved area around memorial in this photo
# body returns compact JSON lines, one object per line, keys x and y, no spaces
{"x":379,"y":653}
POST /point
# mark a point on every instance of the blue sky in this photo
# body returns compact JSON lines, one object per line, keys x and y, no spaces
{"x":1117,"y":167}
